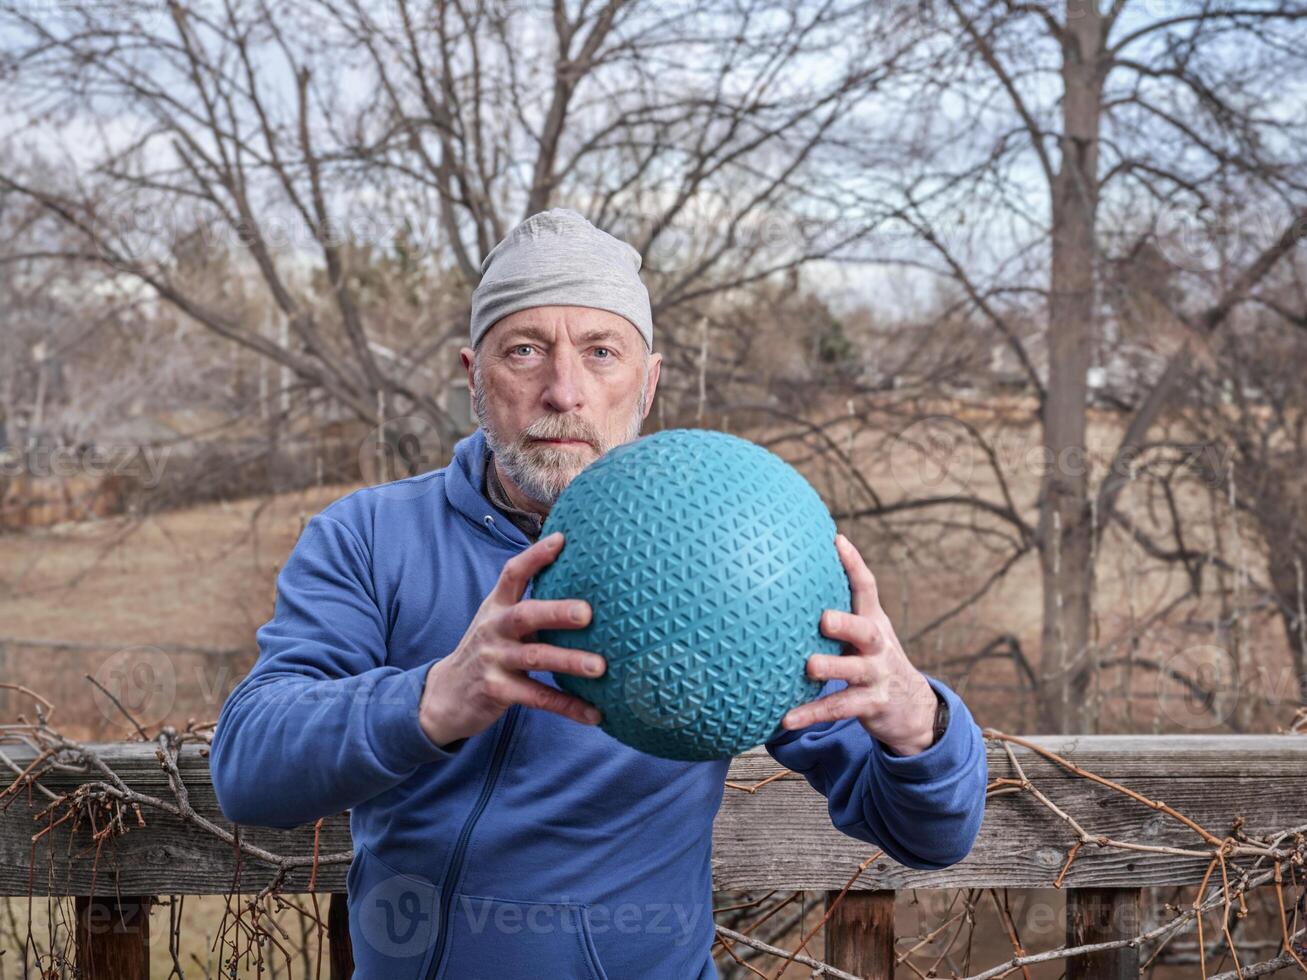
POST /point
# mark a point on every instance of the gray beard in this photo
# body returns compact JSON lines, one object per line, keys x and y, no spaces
{"x":540,"y":483}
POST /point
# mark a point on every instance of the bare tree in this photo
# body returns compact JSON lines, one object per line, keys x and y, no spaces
{"x":1249,"y":398}
{"x":1043,"y":121}
{"x":299,"y":138}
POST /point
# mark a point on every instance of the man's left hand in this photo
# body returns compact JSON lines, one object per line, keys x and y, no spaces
{"x":891,"y":698}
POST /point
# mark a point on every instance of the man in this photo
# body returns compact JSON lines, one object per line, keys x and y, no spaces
{"x":498,"y":833}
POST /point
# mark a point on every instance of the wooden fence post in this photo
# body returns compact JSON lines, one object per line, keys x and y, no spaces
{"x":340,"y":951}
{"x":1097,"y":915}
{"x":860,"y":933}
{"x":113,"y":937}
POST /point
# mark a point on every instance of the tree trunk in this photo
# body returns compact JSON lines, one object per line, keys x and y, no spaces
{"x":1066,"y":531}
{"x":1288,"y":567}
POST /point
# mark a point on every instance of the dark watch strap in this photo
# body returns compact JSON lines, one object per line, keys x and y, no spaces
{"x":941,"y":718}
{"x":940,"y":726}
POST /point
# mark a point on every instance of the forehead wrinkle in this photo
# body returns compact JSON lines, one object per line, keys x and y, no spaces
{"x":602,"y":333}
{"x":529,"y":330}
{"x":534,"y":331}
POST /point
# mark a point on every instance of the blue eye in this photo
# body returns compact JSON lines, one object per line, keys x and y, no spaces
{"x":605,"y":349}
{"x":522,"y":347}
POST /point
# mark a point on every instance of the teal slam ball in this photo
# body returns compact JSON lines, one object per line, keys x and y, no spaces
{"x":707,"y":561}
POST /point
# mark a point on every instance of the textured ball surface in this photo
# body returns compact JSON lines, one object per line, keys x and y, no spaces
{"x":707,"y":561}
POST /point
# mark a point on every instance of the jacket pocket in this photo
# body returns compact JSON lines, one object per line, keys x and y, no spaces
{"x":501,"y":939}
{"x":393,"y":919}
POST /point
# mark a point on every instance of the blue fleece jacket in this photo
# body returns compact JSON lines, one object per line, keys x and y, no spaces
{"x":540,"y":846}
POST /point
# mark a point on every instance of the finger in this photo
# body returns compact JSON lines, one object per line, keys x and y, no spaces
{"x":528,"y":615}
{"x":833,"y":707}
{"x":866,"y":597}
{"x":856,"y":630}
{"x":527,"y":691}
{"x":855,"y":670}
{"x":517,"y":571}
{"x":545,"y":656}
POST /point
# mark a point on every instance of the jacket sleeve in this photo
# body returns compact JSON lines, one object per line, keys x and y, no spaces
{"x":924,"y":809}
{"x":321,"y":723}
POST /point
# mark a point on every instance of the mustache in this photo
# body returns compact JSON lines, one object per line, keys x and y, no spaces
{"x":560,"y":427}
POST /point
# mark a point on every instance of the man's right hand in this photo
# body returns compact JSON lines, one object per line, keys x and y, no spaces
{"x":487,"y":672}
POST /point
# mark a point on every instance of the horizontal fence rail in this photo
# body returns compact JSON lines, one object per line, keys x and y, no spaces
{"x":1049,"y":822}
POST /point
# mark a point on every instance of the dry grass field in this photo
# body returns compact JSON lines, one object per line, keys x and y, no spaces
{"x":183,"y":592}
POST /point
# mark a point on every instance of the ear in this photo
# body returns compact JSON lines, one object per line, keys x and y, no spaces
{"x":465,"y":355}
{"x":655,"y":370}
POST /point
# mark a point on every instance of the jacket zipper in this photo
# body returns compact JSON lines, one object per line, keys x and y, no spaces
{"x":456,"y":865}
{"x":488,"y":787}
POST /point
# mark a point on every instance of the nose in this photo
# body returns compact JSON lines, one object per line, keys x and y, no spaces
{"x":563,"y":389}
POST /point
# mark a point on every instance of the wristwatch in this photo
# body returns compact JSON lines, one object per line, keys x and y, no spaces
{"x":941,"y":717}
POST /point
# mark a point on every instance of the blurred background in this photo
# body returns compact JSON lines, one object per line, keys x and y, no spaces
{"x":1018,"y":286}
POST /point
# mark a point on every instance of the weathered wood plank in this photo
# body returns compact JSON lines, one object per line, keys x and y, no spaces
{"x":165,"y":857}
{"x":779,"y":837}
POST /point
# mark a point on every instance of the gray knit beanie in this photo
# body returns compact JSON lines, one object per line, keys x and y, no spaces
{"x":558,"y":258}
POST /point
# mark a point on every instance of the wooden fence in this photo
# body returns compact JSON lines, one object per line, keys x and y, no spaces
{"x":777,"y":837}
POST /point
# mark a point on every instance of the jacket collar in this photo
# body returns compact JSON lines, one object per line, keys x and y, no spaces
{"x":464,"y":478}
{"x":527,"y":522}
